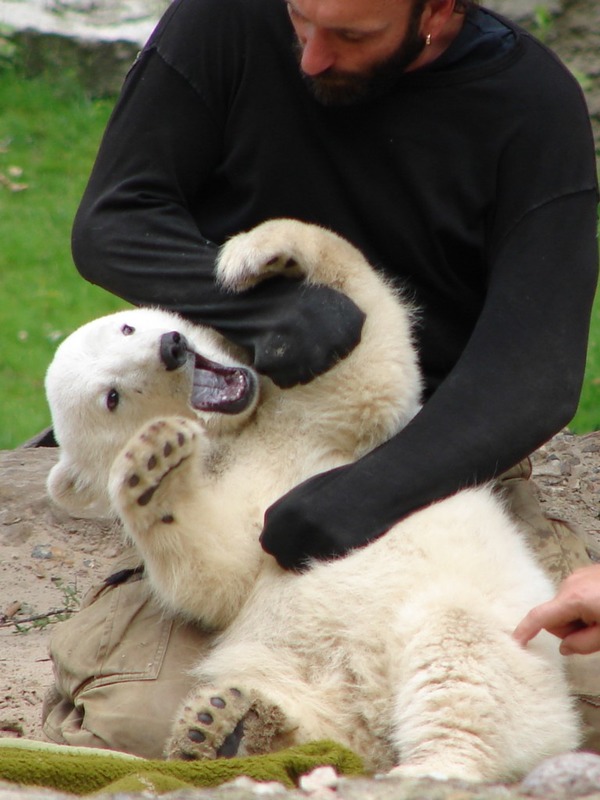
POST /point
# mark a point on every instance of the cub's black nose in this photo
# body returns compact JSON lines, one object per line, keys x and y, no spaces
{"x":173,"y":350}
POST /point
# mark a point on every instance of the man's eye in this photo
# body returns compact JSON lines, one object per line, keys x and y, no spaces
{"x":353,"y":36}
{"x":112,"y":399}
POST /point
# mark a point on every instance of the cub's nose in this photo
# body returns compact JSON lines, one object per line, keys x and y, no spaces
{"x":173,"y":350}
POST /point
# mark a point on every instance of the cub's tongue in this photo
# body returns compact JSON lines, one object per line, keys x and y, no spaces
{"x":228,"y":390}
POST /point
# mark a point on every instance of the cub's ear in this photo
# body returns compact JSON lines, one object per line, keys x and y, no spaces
{"x":70,"y":490}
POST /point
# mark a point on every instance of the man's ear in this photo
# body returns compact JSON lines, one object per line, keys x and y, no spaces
{"x":69,"y":490}
{"x":436,"y":14}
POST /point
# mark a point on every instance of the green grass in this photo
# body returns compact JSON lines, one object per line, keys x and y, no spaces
{"x":50,"y":130}
{"x":588,"y":414}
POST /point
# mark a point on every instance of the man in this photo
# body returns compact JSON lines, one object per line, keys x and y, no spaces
{"x":449,"y":146}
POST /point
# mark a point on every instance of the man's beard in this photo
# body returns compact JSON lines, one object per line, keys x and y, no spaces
{"x":338,"y":88}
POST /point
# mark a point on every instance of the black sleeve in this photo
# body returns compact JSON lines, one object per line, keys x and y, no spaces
{"x":516,"y":384}
{"x":134,"y":233}
{"x":519,"y":379}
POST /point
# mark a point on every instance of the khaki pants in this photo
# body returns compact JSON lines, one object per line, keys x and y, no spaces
{"x":121,"y":666}
{"x":121,"y":670}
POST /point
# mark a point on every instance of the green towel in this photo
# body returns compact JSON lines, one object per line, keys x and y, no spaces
{"x":82,"y":772}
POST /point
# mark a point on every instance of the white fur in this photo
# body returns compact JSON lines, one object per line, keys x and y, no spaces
{"x":402,"y":650}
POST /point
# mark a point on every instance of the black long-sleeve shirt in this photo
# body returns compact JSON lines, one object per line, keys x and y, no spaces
{"x":472,"y":182}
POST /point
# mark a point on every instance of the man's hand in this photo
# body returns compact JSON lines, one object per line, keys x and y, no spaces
{"x":318,"y":520}
{"x":293,"y":330}
{"x":573,"y":615}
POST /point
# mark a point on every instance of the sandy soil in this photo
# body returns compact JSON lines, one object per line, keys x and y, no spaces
{"x":46,"y":560}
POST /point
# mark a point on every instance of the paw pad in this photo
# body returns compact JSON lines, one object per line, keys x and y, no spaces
{"x":217,"y":702}
{"x":145,"y":498}
{"x":159,"y":450}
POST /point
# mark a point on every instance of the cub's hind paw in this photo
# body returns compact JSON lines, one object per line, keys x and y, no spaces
{"x":210,"y":725}
{"x":269,"y":249}
{"x":151,"y":462}
{"x":223,"y":723}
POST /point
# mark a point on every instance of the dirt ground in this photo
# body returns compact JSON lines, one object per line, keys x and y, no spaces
{"x":46,"y":557}
{"x":47,"y":563}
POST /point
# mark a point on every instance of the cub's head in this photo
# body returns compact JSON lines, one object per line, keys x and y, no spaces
{"x":116,"y":373}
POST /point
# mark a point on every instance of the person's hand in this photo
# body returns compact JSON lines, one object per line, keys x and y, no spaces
{"x":573,"y":615}
{"x":294,"y":330}
{"x":318,"y":520}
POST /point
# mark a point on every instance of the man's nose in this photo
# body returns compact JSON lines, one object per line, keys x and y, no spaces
{"x":317,"y":53}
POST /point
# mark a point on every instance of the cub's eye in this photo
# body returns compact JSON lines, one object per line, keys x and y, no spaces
{"x":127,"y":330}
{"x":112,"y":399}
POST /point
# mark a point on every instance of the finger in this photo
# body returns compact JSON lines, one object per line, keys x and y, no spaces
{"x":528,"y":628}
{"x":582,"y":642}
{"x":562,"y":631}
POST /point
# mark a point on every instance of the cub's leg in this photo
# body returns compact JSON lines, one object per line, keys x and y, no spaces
{"x":179,"y":522}
{"x":251,"y":697}
{"x":472,"y":704}
{"x":294,"y":249}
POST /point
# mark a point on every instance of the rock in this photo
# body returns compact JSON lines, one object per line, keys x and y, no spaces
{"x":106,"y":21}
{"x":575,"y":36}
{"x":523,"y":10}
{"x":567,"y":472}
{"x":10,"y":792}
{"x":96,"y":41}
{"x":567,"y":775}
{"x":319,"y":779}
{"x":257,"y":788}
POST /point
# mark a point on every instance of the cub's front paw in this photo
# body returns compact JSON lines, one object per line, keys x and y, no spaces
{"x":152,"y":471}
{"x":272,"y":248}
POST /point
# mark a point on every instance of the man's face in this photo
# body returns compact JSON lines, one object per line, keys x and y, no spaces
{"x":351,"y":50}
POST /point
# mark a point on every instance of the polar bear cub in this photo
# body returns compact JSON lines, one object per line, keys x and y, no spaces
{"x":403,"y":649}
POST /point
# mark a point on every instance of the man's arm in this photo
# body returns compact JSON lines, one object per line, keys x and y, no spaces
{"x":516,"y":384}
{"x":134,"y":233}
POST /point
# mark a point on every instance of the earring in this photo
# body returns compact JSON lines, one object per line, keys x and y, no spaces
{"x":428,"y":39}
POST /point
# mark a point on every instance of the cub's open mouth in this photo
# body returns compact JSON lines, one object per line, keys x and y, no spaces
{"x":229,"y":390}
